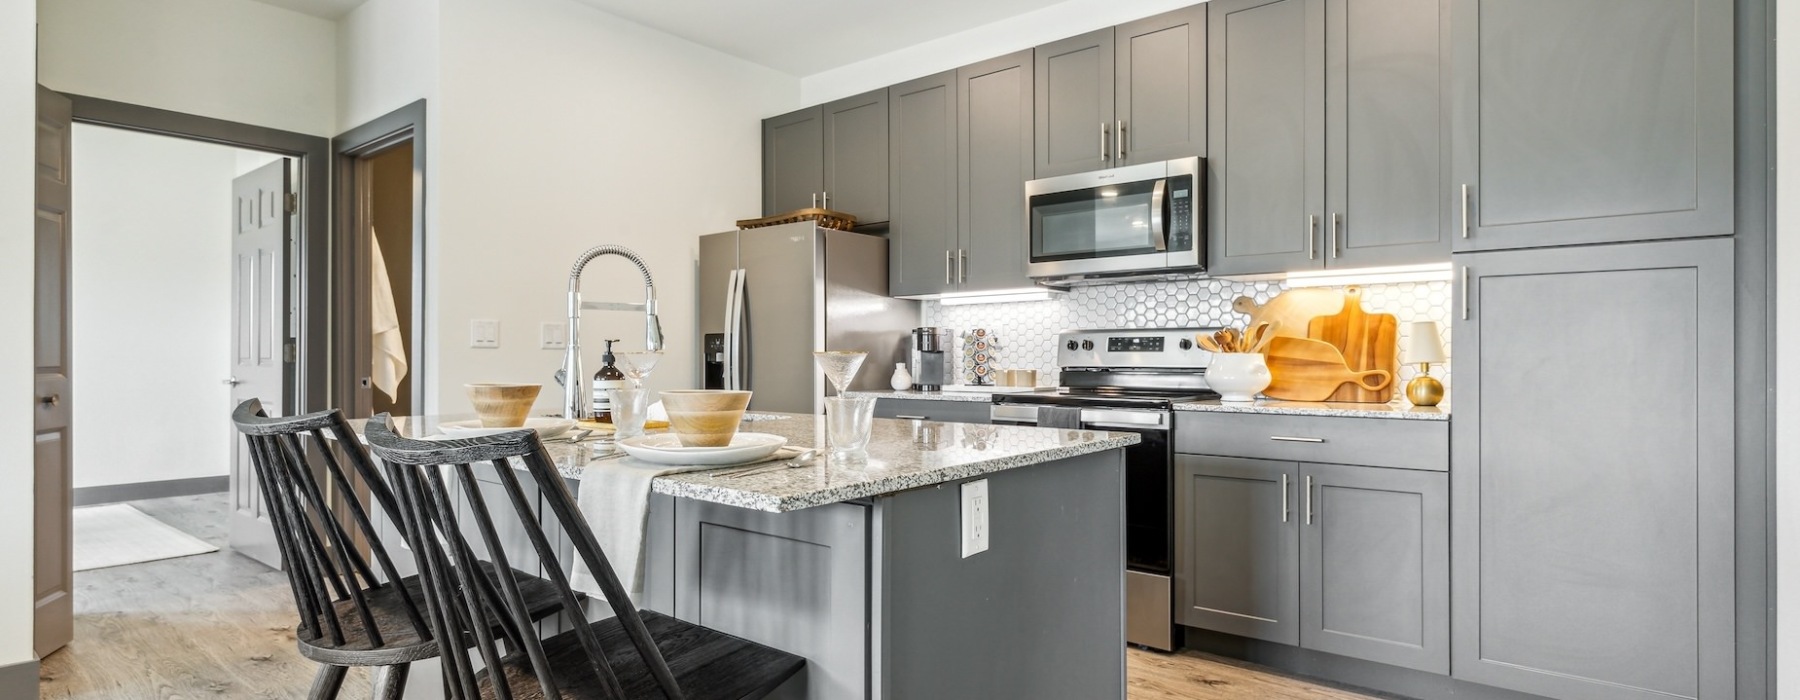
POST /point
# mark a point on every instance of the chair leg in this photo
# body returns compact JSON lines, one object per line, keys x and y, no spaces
{"x":325,"y":685}
{"x":390,"y":681}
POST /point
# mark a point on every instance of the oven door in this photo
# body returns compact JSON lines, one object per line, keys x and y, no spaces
{"x":1131,"y":219}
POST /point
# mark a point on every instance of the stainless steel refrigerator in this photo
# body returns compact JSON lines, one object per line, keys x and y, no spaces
{"x":770,"y":297}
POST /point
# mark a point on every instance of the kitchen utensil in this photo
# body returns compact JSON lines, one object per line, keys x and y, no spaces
{"x":849,"y":420}
{"x":840,"y":367}
{"x":629,"y":408}
{"x":1368,"y":342}
{"x":803,"y":459}
{"x":704,"y":417}
{"x":1258,"y":337}
{"x":1208,"y":344}
{"x":638,"y":364}
{"x":1303,"y":369}
{"x":502,"y":405}
{"x":1290,"y":311}
{"x":667,"y":449}
{"x":546,"y":428}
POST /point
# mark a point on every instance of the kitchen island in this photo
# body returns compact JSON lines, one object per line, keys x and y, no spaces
{"x":860,"y":568}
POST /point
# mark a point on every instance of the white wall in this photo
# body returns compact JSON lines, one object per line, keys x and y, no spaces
{"x":145,"y":208}
{"x":562,"y":127}
{"x":387,"y":58}
{"x":230,"y":59}
{"x":1787,"y":352}
{"x":987,"y":41}
{"x":18,"y":98}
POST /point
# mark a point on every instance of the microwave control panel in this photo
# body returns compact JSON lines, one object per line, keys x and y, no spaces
{"x":1181,"y":212}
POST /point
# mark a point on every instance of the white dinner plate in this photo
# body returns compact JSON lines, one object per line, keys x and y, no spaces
{"x":666,"y":448}
{"x":546,"y":428}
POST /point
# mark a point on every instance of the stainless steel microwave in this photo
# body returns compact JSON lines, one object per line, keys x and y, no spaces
{"x":1138,"y":220}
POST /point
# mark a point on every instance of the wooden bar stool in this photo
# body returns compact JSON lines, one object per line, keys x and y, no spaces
{"x":351,"y":614}
{"x":630,"y":656}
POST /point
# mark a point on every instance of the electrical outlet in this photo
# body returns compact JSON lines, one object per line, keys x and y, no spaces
{"x":974,"y":518}
{"x":484,"y":333}
{"x":553,"y":336}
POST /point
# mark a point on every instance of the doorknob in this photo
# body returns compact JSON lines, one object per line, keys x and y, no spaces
{"x":50,"y":401}
{"x":234,"y":381}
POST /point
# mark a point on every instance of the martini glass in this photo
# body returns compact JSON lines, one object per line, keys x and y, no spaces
{"x":840,"y":366}
{"x":638,"y":365}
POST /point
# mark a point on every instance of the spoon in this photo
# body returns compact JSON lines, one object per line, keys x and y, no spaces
{"x":799,"y":460}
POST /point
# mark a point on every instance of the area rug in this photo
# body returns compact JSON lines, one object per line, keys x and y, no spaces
{"x":117,"y":534}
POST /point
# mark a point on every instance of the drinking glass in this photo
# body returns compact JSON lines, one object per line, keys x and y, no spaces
{"x":840,"y":366}
{"x":848,"y":422}
{"x":629,"y":407}
{"x":638,"y":364}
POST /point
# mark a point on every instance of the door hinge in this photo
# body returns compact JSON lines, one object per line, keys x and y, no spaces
{"x":293,"y":202}
{"x":289,"y":353}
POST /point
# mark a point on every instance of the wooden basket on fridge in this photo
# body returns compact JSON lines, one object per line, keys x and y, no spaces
{"x":823,"y":217}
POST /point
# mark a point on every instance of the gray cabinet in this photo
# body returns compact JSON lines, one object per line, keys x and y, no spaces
{"x":934,"y":410}
{"x":1328,"y":146}
{"x":1375,"y":565}
{"x":994,"y":152}
{"x":1593,"y":538}
{"x":833,"y":155}
{"x":793,"y":160}
{"x":922,"y":232}
{"x":1135,"y":93}
{"x":1591,"y":121}
{"x":1237,"y":547}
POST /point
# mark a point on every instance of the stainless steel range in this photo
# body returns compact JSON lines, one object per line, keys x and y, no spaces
{"x":1129,"y":380}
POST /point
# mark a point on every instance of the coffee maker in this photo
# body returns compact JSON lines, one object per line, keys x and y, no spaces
{"x":932,"y":364}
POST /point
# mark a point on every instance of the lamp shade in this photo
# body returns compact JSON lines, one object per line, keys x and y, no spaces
{"x":1422,"y":343}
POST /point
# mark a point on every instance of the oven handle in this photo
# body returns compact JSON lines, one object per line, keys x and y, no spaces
{"x":1128,"y":428}
{"x":1157,"y":195}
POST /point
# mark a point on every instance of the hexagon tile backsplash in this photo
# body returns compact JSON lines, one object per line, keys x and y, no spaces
{"x":1027,"y":330}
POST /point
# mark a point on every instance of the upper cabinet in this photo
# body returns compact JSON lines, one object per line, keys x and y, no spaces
{"x":1327,"y":142}
{"x":1135,"y":93}
{"x":922,"y":236}
{"x":994,"y":149}
{"x":1586,"y":121}
{"x":833,"y":156}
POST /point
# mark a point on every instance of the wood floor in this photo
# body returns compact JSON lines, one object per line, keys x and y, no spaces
{"x":221,"y":626}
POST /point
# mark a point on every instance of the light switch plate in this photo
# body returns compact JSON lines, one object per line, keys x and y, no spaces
{"x":484,"y":333}
{"x":975,"y":505}
{"x":553,"y":336}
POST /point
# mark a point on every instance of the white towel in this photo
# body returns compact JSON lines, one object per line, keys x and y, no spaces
{"x":389,"y":356}
{"x":615,"y":498}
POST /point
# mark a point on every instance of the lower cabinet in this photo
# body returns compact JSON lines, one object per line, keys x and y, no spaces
{"x":1347,"y":560}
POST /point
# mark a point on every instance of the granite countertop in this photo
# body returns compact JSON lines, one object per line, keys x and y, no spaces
{"x":903,"y":454}
{"x":1398,"y":409}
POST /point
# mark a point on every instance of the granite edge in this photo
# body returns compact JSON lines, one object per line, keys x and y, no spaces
{"x":1378,"y":411}
{"x":893,"y":484}
{"x":954,"y":396}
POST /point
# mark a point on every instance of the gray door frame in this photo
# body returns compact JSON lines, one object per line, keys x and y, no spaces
{"x":352,"y":347}
{"x":304,"y":384}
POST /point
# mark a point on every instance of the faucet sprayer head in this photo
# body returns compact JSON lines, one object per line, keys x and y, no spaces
{"x":653,"y":337}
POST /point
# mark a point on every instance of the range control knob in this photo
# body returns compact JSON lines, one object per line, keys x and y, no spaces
{"x":1074,"y":345}
{"x":1186,"y":344}
{"x":1087,"y":344}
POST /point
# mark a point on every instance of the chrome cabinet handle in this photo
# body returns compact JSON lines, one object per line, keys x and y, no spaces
{"x":815,"y":200}
{"x":1312,"y":229}
{"x":946,"y":267}
{"x":1103,"y":153}
{"x":1334,"y":235}
{"x":1120,"y":139}
{"x":825,"y":200}
{"x":962,"y":265}
{"x":1309,"y":510}
{"x":1465,"y":210}
{"x":1284,"y":498}
{"x":1285,"y":438}
{"x":51,"y":401}
{"x":1465,"y":293}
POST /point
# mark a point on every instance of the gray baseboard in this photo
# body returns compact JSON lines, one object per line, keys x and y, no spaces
{"x":116,"y":493}
{"x":19,"y":681}
{"x":1342,"y":670}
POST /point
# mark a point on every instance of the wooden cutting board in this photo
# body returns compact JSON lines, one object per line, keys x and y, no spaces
{"x":1368,"y":342}
{"x":1303,"y":369}
{"x":1290,"y":311}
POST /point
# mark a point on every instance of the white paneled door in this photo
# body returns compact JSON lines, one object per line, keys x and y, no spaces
{"x":262,"y":210}
{"x":52,"y":495}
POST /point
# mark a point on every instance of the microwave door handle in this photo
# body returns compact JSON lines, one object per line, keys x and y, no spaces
{"x":1157,"y":231}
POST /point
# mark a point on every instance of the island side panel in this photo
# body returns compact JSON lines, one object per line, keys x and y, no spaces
{"x":1040,"y":614}
{"x":795,"y":581}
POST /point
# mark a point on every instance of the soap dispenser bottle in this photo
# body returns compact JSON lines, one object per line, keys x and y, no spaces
{"x":608,"y":378}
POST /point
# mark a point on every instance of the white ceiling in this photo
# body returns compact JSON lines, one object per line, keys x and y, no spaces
{"x":804,"y":37}
{"x":327,"y":9}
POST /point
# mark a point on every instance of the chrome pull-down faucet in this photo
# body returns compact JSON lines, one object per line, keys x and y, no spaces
{"x":577,"y":401}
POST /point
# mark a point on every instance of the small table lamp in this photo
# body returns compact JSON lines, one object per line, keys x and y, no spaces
{"x":1423,"y":347}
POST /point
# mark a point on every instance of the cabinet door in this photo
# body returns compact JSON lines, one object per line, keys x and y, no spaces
{"x":1375,"y":565}
{"x":856,"y":157}
{"x":1387,"y":145}
{"x":793,"y":160}
{"x":1237,"y":540}
{"x":1265,"y":166}
{"x":1591,"y":121}
{"x":1594,"y":473}
{"x":934,"y":410}
{"x":1074,"y":98}
{"x":1161,"y":100}
{"x":994,"y":161}
{"x":922,"y":185}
